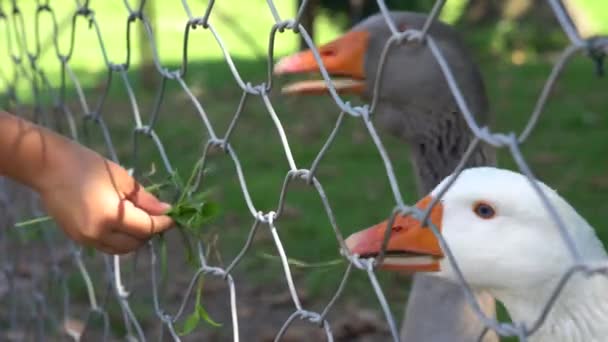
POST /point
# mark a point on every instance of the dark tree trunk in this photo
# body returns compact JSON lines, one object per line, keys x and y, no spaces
{"x":148,"y":75}
{"x":308,"y":20}
{"x":484,"y":12}
{"x":356,"y":11}
{"x":535,"y":10}
{"x":480,"y":12}
{"x":532,"y":23}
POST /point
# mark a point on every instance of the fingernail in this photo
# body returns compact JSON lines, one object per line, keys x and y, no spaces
{"x":165,"y":206}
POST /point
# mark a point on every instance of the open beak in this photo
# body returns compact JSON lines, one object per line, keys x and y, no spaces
{"x":344,"y":59}
{"x":410,"y":247}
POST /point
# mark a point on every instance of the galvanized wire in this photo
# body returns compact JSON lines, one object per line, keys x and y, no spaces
{"x":28,"y":305}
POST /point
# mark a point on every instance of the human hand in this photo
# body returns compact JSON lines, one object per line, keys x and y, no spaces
{"x":97,"y":203}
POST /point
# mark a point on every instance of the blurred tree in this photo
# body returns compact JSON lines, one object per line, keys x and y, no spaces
{"x":349,"y":12}
{"x":357,"y":10}
{"x":514,"y":25}
{"x":308,"y":20}
{"x":481,"y":12}
{"x":489,"y":11}
{"x":148,"y":76}
{"x":500,"y":26}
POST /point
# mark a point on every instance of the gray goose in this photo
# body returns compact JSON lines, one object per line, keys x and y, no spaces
{"x":416,"y":105}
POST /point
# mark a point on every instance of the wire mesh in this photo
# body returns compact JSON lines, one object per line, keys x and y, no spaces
{"x":28,"y":304}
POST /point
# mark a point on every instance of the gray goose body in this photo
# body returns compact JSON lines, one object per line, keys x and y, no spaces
{"x":416,"y":105}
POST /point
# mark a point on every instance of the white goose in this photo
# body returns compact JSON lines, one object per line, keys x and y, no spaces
{"x":505,"y":242}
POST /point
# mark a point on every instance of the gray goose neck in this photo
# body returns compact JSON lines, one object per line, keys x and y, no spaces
{"x":437,"y":139}
{"x":436,"y":153}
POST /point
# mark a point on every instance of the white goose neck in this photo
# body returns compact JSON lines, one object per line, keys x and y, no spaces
{"x":580,"y":312}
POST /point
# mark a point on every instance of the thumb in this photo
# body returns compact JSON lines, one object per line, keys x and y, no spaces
{"x":148,"y":202}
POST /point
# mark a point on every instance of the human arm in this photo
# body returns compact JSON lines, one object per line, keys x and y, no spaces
{"x":94,"y":200}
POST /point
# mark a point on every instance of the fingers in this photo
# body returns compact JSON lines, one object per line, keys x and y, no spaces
{"x":141,"y":214}
{"x":136,"y":193}
{"x":147,"y":202}
{"x":138,"y":223}
{"x":119,"y":243}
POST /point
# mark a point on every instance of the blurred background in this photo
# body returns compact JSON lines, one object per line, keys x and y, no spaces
{"x":515,"y":42}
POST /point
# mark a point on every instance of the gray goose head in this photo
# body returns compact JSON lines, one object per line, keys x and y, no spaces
{"x":414,"y":100}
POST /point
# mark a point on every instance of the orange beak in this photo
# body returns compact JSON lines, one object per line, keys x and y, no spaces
{"x":410,"y":246}
{"x":343,"y":57}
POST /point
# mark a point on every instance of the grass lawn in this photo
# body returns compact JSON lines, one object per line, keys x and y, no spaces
{"x":567,"y":150}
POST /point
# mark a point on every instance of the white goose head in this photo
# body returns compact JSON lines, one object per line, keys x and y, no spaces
{"x":500,"y":233}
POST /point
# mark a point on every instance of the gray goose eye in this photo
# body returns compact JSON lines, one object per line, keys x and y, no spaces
{"x":484,"y":210}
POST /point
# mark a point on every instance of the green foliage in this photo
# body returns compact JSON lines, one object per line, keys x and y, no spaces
{"x":193,"y":213}
{"x":371,"y":7}
{"x":303,"y":264}
{"x":32,"y":221}
{"x":32,"y":234}
{"x":532,"y":37}
{"x":162,"y":246}
{"x":190,"y":212}
{"x":199,"y":313}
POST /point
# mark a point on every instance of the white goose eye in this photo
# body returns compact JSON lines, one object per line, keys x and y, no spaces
{"x":484,"y":210}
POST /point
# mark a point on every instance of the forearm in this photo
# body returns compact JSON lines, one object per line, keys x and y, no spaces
{"x":28,"y":151}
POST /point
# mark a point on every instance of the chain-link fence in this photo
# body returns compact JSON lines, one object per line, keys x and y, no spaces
{"x":29,"y":308}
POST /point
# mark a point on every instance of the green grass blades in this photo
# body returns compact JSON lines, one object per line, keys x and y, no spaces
{"x":199,"y":313}
{"x":192,"y":210}
{"x":304,"y":264}
{"x":191,"y":214}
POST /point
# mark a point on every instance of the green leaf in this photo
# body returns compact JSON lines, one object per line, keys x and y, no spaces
{"x":31,"y":235}
{"x":210,"y":209}
{"x":199,"y":312}
{"x":190,"y":256}
{"x":176,"y":180}
{"x":304,"y":264}
{"x":163,"y":256}
{"x":199,"y":197}
{"x":204,"y":315}
{"x":89,"y":251}
{"x":33,"y":221}
{"x":190,"y":323}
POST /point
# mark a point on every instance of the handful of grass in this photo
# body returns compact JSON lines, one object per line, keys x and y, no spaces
{"x":190,"y":212}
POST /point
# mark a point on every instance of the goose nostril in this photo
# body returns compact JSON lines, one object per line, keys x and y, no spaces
{"x":327,"y":53}
{"x":397,"y":229}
